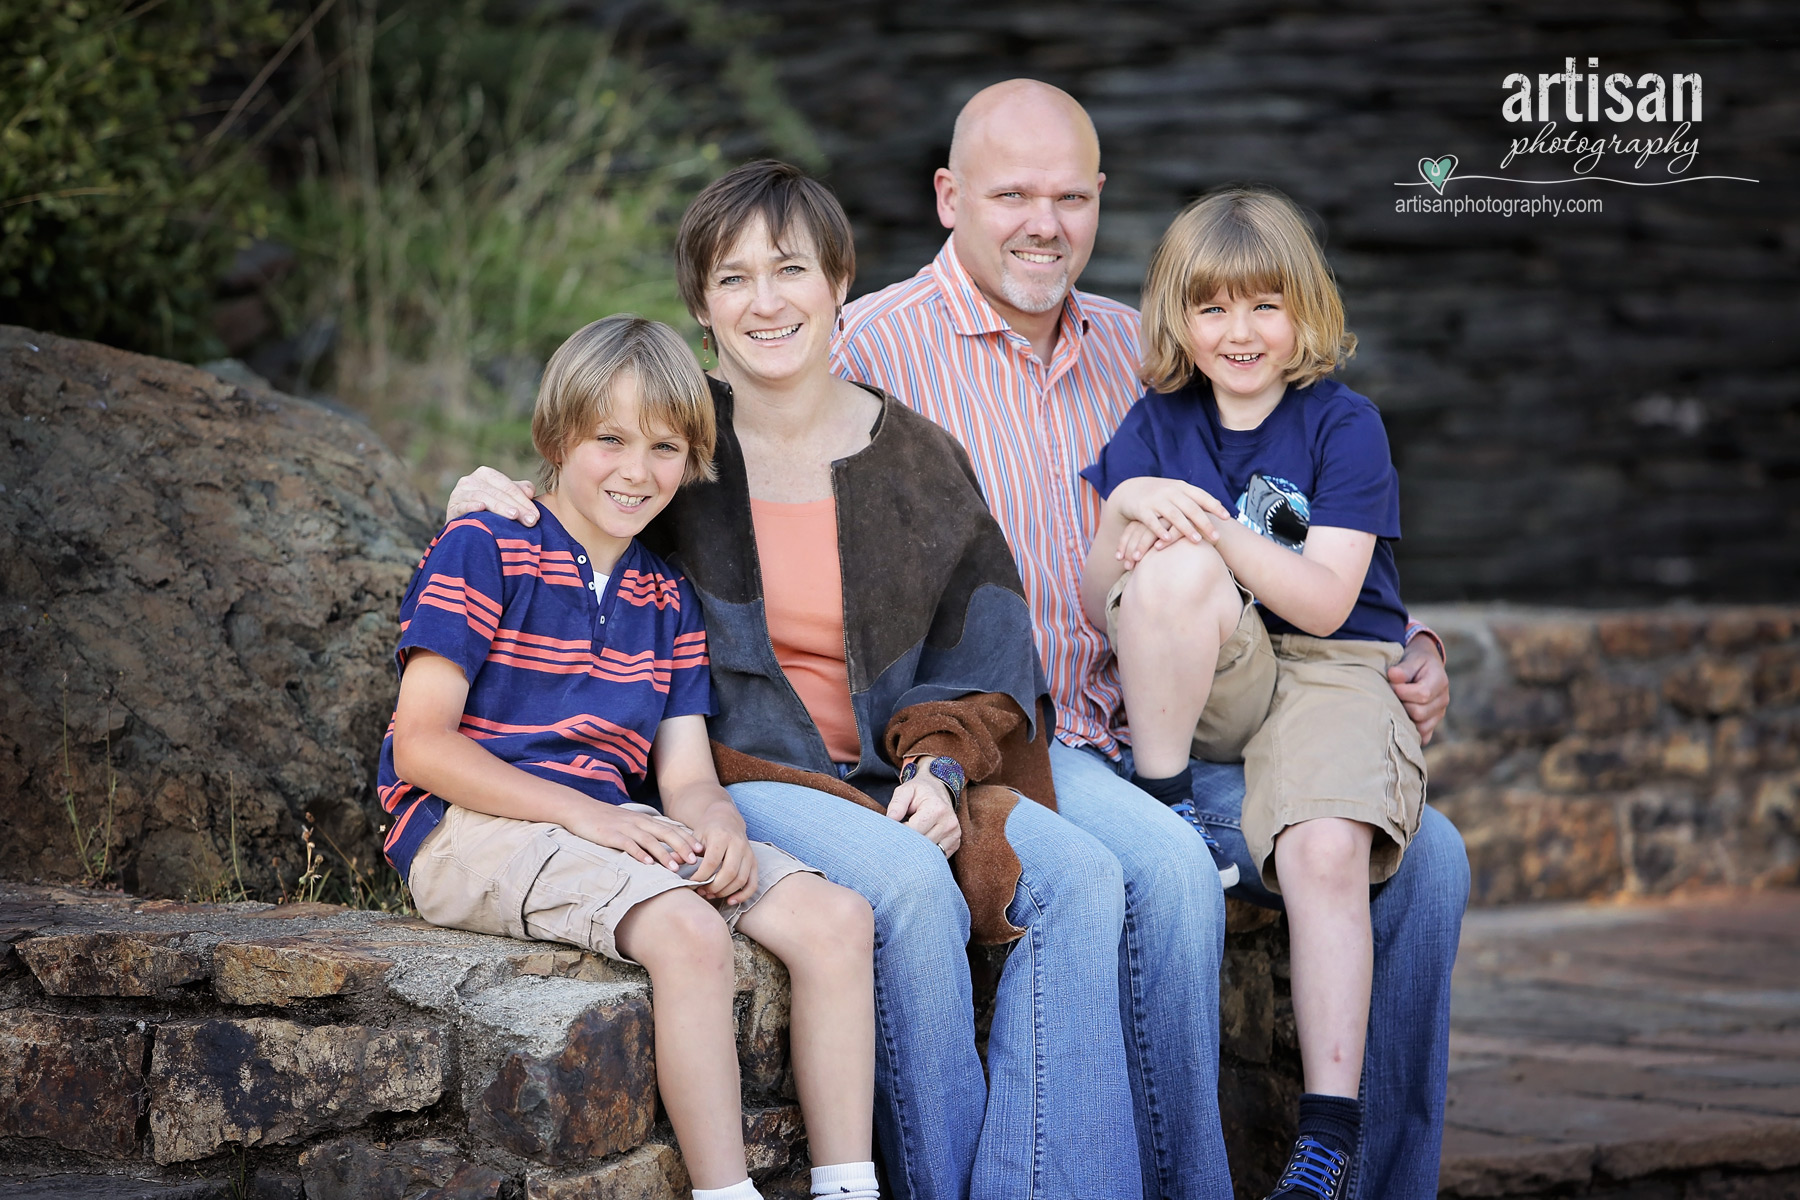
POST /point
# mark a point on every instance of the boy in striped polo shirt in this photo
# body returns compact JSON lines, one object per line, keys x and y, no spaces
{"x":546,"y":672}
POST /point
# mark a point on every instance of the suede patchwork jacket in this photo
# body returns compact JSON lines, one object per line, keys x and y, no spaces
{"x":937,"y":637}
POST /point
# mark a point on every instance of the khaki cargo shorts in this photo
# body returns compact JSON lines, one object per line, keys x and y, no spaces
{"x":1336,"y":743}
{"x":530,"y":879}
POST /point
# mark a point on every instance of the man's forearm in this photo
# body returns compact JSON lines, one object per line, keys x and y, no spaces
{"x":1416,"y":628}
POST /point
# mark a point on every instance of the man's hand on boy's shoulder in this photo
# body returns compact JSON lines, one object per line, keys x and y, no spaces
{"x":1422,"y":684}
{"x":487,"y":490}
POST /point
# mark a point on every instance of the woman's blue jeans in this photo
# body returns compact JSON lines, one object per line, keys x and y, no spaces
{"x":1056,"y":1120}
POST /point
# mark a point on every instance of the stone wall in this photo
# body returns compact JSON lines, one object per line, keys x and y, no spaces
{"x":247,"y":1050}
{"x":1588,"y":754}
{"x":1587,"y":409}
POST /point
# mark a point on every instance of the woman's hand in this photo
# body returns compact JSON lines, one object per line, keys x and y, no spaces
{"x":647,"y":837}
{"x":1170,"y":508}
{"x":923,"y":804}
{"x":487,"y":490}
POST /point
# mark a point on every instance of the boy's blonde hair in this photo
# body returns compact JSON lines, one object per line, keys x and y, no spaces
{"x":575,"y":396}
{"x":1242,"y":241}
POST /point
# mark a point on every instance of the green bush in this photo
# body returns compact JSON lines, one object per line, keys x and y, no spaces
{"x":114,"y":219}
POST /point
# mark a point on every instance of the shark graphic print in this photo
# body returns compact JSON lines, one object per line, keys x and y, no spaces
{"x":1275,"y":508}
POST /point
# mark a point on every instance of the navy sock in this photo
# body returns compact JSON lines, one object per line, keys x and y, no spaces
{"x":1332,"y":1121}
{"x":1172,"y":790}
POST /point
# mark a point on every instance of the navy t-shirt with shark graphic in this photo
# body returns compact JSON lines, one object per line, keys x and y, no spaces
{"x":1320,"y":458}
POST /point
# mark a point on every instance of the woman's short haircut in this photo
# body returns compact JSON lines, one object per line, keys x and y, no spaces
{"x":1241,"y":241}
{"x":783,"y":196}
{"x":576,"y":395}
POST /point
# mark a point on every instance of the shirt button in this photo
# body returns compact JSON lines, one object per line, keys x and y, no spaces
{"x":590,"y":585}
{"x":581,"y":558}
{"x":603,"y":620}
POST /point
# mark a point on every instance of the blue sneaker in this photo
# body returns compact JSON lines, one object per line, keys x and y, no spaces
{"x":1313,"y":1170}
{"x":1228,"y":872}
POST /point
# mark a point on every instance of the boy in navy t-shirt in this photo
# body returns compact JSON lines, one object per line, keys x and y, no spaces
{"x":545,"y":670}
{"x":1244,"y":571}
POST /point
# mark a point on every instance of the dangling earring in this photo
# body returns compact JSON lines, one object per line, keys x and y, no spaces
{"x":706,"y":339}
{"x":840,"y":318}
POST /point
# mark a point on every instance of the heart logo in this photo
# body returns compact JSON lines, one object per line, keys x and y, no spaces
{"x":1437,"y":173}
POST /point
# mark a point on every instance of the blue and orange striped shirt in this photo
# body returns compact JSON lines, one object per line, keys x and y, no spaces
{"x":567,"y":688}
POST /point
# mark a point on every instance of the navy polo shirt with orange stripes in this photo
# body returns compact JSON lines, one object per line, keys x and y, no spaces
{"x":560,"y":685}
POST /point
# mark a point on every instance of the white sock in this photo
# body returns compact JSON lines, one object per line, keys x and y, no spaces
{"x":846,"y":1181}
{"x":737,"y":1191}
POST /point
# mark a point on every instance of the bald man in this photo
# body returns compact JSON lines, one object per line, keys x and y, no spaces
{"x":993,"y":341}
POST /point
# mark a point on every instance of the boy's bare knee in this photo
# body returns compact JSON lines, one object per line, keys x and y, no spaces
{"x":1330,"y":850}
{"x":851,"y":921}
{"x":679,"y":930}
{"x":839,"y":926}
{"x":1175,"y":579}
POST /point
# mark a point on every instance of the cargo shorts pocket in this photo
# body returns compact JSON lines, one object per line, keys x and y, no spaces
{"x":475,"y":871}
{"x":1406,"y":776}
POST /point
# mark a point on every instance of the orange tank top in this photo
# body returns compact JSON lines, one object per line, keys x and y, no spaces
{"x":803,"y":598}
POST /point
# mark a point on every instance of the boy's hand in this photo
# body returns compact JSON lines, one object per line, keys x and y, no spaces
{"x":729,"y":865}
{"x":487,"y":490}
{"x":1170,"y":508}
{"x":1135,"y":542}
{"x":647,"y":837}
{"x":923,"y":804}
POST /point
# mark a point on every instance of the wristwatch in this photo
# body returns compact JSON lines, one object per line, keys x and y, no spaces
{"x":946,"y":770}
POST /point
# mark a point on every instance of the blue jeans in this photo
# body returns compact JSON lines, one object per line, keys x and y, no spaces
{"x":1056,"y":1120}
{"x":1169,"y":957}
{"x":1417,"y":919}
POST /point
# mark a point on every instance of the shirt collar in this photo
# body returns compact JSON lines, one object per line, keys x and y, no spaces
{"x":970,"y":312}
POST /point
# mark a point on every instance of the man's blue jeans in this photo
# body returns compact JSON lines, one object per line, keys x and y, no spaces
{"x":1169,"y":956}
{"x":1056,"y":1120}
{"x":1417,"y":919}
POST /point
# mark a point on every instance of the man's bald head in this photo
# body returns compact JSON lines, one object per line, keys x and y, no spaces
{"x":1021,"y":198}
{"x":1003,"y":110}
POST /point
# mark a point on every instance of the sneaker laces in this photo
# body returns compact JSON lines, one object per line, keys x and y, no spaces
{"x":1228,"y":871}
{"x":1313,"y":1167}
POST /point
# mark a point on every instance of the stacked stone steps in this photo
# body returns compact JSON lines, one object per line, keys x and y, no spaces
{"x":182,"y":1051}
{"x":354,"y":1053}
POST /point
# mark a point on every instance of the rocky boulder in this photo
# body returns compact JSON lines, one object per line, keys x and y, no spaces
{"x":198,"y":588}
